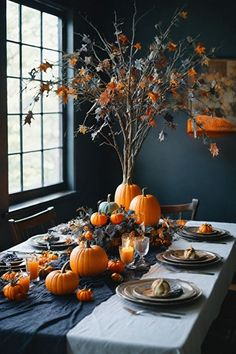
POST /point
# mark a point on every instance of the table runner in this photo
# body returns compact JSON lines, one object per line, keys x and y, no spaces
{"x":111,"y":329}
{"x":40,"y":323}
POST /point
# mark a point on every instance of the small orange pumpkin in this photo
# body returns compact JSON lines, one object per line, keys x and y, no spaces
{"x":147,"y":208}
{"x":117,"y":278}
{"x":84,"y":295}
{"x":14,"y":291}
{"x":125,"y":192}
{"x":98,"y":219}
{"x":62,"y":282}
{"x":116,"y":266}
{"x":88,"y":235}
{"x":18,"y":277}
{"x":87,"y":260}
{"x":117,"y":218}
{"x":8,"y":276}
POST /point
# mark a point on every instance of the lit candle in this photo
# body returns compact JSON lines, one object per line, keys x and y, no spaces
{"x":127,"y":254}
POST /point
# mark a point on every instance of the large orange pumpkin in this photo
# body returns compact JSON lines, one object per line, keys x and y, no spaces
{"x":87,"y":260}
{"x":147,"y":208}
{"x":125,"y":192}
{"x":62,"y":282}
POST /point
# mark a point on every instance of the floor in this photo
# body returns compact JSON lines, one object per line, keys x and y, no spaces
{"x":221,"y":337}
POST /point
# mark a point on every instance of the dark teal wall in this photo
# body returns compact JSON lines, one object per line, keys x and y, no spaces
{"x":179,"y":168}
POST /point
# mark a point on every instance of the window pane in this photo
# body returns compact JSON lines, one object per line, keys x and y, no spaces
{"x":13,"y":134}
{"x":32,"y":135}
{"x":53,"y":58}
{"x":30,"y":59}
{"x":32,"y":170}
{"x":13,"y":95}
{"x":30,"y":26}
{"x":12,"y":21}
{"x":50,"y":31}
{"x":14,"y":173}
{"x":28,"y":103}
{"x":51,"y":103}
{"x":13,"y":64}
{"x":52,"y":131}
{"x":52,"y":166}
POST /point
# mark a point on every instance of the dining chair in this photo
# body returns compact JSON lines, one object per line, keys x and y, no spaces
{"x":22,"y":229}
{"x":179,"y":209}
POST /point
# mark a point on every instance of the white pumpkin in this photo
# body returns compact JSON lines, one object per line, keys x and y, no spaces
{"x":160,"y":287}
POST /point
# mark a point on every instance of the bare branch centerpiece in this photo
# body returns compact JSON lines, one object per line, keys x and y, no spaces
{"x":131,"y":88}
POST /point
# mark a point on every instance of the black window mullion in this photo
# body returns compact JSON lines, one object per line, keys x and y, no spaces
{"x":21,"y":101}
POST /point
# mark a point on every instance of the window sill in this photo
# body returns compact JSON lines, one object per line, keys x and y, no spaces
{"x":41,"y":200}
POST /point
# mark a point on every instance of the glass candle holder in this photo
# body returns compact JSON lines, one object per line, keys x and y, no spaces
{"x":32,"y":267}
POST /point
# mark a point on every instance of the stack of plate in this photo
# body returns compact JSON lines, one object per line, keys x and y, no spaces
{"x":139,"y":291}
{"x":8,"y":262}
{"x":60,"y":241}
{"x":192,"y":233}
{"x":176,"y":258}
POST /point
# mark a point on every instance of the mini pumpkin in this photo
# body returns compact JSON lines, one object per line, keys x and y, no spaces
{"x":87,"y":260}
{"x":117,"y":218}
{"x":98,"y":219}
{"x":21,"y":278}
{"x":88,"y":235}
{"x":14,"y":291}
{"x":117,"y":278}
{"x":147,"y":208}
{"x":108,"y":207}
{"x":62,"y":282}
{"x":116,"y":266}
{"x":84,"y":295}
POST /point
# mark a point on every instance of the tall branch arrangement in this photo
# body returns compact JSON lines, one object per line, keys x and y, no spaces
{"x":132,"y":89}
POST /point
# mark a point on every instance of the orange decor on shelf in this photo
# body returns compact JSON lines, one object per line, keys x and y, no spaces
{"x":87,"y":260}
{"x":62,"y":282}
{"x":212,"y":126}
{"x":125,"y":192}
{"x":146,"y":208}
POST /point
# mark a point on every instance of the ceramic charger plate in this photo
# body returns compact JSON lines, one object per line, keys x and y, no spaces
{"x":39,"y":242}
{"x":178,"y":256}
{"x":133,"y":291}
{"x":190,"y":232}
{"x":183,"y":264}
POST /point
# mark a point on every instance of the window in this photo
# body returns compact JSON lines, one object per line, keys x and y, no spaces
{"x":35,"y":152}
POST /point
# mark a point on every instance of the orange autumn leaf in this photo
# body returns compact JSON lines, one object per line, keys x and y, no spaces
{"x":192,"y":72}
{"x":28,"y":118}
{"x":44,"y":87}
{"x":152,"y":122}
{"x":73,"y":61}
{"x":111,"y":85}
{"x":104,"y":98}
{"x":214,"y":149}
{"x":123,"y":39}
{"x":171,"y":46}
{"x":138,"y":46}
{"x":183,"y":14}
{"x":45,"y":66}
{"x":64,"y":92}
{"x":153,"y":96}
{"x":200,"y":49}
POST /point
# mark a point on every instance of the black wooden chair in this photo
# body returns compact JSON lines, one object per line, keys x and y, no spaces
{"x":178,"y":210}
{"x":22,"y":229}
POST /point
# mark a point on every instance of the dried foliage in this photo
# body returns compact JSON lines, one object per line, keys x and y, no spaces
{"x":133,"y":89}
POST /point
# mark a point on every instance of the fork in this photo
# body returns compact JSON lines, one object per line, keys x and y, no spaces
{"x":162,"y":314}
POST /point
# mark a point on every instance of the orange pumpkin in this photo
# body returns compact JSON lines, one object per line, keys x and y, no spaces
{"x":125,"y":192}
{"x":98,"y":219}
{"x":116,"y":218}
{"x":88,"y":235}
{"x":14,"y":291}
{"x":20,"y":277}
{"x":62,"y":282}
{"x":87,"y":260}
{"x":117,"y":278}
{"x":147,"y":208}
{"x":84,"y":294}
{"x":116,"y":266}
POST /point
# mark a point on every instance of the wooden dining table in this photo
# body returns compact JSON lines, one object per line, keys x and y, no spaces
{"x":108,"y":327}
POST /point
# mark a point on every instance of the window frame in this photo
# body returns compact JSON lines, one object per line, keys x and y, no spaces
{"x":67,"y":111}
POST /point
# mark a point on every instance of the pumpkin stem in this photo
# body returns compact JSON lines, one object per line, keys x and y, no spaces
{"x":63,"y":269}
{"x":109,"y":198}
{"x":143,"y":191}
{"x":87,"y":244}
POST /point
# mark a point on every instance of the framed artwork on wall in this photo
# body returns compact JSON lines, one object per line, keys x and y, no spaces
{"x":221,"y":117}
